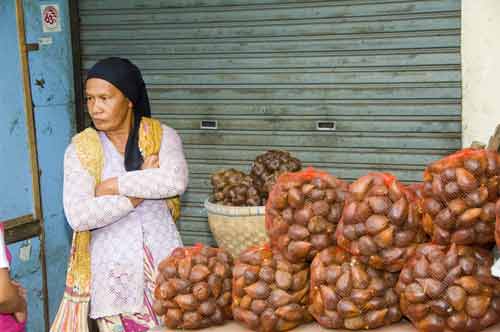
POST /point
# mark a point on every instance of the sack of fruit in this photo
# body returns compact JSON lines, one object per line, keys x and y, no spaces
{"x":460,"y":192}
{"x":269,"y":293}
{"x":346,"y":293}
{"x":302,"y":213}
{"x":193,"y":288}
{"x":449,"y":288}
{"x":381,"y":222}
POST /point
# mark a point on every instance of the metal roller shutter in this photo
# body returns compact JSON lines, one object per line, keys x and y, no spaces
{"x":386,"y":72}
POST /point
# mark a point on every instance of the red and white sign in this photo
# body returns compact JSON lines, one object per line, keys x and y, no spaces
{"x":51,"y":18}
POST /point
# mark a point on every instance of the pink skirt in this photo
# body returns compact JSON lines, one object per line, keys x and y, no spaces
{"x":9,"y":324}
{"x":7,"y":321}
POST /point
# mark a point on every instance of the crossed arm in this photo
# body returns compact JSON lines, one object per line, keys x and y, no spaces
{"x":88,"y":206}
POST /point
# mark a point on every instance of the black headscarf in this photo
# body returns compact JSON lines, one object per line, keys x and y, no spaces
{"x":126,"y":77}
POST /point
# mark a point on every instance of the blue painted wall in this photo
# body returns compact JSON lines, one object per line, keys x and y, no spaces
{"x":13,"y":143}
{"x":53,"y":99}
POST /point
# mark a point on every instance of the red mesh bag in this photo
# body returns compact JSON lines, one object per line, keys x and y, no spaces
{"x":459,"y":196}
{"x":381,"y":222}
{"x":270,"y":293}
{"x":193,"y":288}
{"x":417,"y":190}
{"x":449,"y":288}
{"x":346,"y":293}
{"x":302,"y":213}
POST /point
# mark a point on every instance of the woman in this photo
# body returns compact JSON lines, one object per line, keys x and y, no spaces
{"x":131,"y":227}
{"x":12,"y":295}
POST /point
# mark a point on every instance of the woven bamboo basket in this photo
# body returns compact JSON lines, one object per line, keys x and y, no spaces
{"x":236,"y":228}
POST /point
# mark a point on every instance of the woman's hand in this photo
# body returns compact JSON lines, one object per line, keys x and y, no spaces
{"x":107,"y":187}
{"x":151,"y":162}
{"x":135,"y":200}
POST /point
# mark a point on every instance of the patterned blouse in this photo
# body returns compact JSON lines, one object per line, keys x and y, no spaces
{"x":120,"y":231}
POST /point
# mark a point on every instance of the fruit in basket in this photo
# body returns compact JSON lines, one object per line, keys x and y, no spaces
{"x":459,"y":200}
{"x":269,"y":293}
{"x":449,"y":288}
{"x":193,"y":288}
{"x":302,"y":213}
{"x":346,"y":293}
{"x":381,"y":222}
{"x":268,"y":166}
{"x":234,"y":188}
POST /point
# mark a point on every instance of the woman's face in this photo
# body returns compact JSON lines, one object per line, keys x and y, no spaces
{"x":108,"y":107}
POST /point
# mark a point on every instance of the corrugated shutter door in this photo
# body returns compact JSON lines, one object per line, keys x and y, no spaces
{"x":387,"y":72}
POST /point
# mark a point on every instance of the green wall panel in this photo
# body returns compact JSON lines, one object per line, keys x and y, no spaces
{"x":388,"y":72}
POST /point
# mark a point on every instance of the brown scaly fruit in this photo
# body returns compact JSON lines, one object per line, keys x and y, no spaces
{"x":302,"y":213}
{"x":268,"y":166}
{"x":449,"y":288}
{"x":234,"y":188}
{"x":193,"y":288}
{"x":270,"y":294}
{"x":459,"y":196}
{"x":381,"y":222}
{"x":346,"y":293}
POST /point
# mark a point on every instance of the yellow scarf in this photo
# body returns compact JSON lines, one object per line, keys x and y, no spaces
{"x":72,"y":315}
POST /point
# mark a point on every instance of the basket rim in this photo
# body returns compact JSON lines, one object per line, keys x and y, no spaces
{"x":227,"y":210}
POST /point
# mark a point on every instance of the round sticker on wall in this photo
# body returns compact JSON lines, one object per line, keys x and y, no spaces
{"x":50,"y":18}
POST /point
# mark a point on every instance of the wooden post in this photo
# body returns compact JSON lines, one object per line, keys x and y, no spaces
{"x":35,"y":173}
